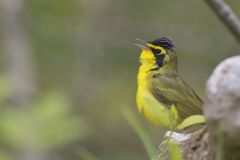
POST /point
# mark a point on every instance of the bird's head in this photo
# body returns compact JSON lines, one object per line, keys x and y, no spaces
{"x":160,"y":52}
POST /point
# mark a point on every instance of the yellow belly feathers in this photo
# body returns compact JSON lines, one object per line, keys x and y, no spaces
{"x":155,"y":111}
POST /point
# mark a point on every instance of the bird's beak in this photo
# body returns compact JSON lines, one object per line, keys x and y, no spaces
{"x":142,"y":44}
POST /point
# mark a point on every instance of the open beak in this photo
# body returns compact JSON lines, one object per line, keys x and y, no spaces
{"x":142,"y":44}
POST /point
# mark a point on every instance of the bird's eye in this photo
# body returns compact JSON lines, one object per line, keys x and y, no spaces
{"x":158,"y":51}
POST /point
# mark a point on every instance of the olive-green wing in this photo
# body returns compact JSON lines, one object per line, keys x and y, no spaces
{"x":173,"y":90}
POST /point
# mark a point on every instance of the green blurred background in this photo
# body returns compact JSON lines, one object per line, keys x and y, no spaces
{"x":84,"y":69}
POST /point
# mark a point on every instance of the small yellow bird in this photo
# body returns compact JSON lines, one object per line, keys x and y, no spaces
{"x":160,"y":87}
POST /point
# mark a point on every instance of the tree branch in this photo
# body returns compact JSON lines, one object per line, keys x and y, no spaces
{"x":226,"y":15}
{"x":193,"y":146}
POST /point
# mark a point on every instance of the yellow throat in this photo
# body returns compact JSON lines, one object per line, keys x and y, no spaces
{"x":148,"y":64}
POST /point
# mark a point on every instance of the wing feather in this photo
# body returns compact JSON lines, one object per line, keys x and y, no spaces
{"x":173,"y":90}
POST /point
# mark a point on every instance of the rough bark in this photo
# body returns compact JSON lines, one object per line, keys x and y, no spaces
{"x":194,"y":146}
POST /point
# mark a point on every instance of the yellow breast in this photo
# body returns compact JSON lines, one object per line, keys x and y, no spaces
{"x":153,"y":110}
{"x":143,"y":86}
{"x":148,"y":62}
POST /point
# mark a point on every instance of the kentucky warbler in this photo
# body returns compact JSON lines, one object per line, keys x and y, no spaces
{"x":160,"y":87}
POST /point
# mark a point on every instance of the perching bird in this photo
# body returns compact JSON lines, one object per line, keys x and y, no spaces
{"x":160,"y":87}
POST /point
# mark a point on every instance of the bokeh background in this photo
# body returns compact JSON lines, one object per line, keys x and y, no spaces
{"x":68,"y":73}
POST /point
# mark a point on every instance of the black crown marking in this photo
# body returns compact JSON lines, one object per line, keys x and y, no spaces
{"x":165,"y":43}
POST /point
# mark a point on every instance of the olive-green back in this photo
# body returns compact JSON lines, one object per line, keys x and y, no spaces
{"x":171,"y":89}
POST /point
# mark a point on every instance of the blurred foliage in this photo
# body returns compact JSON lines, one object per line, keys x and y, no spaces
{"x":84,"y":49}
{"x":85,"y":154}
{"x":5,"y":88}
{"x":46,"y":124}
{"x":140,"y":131}
{"x":5,"y":155}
